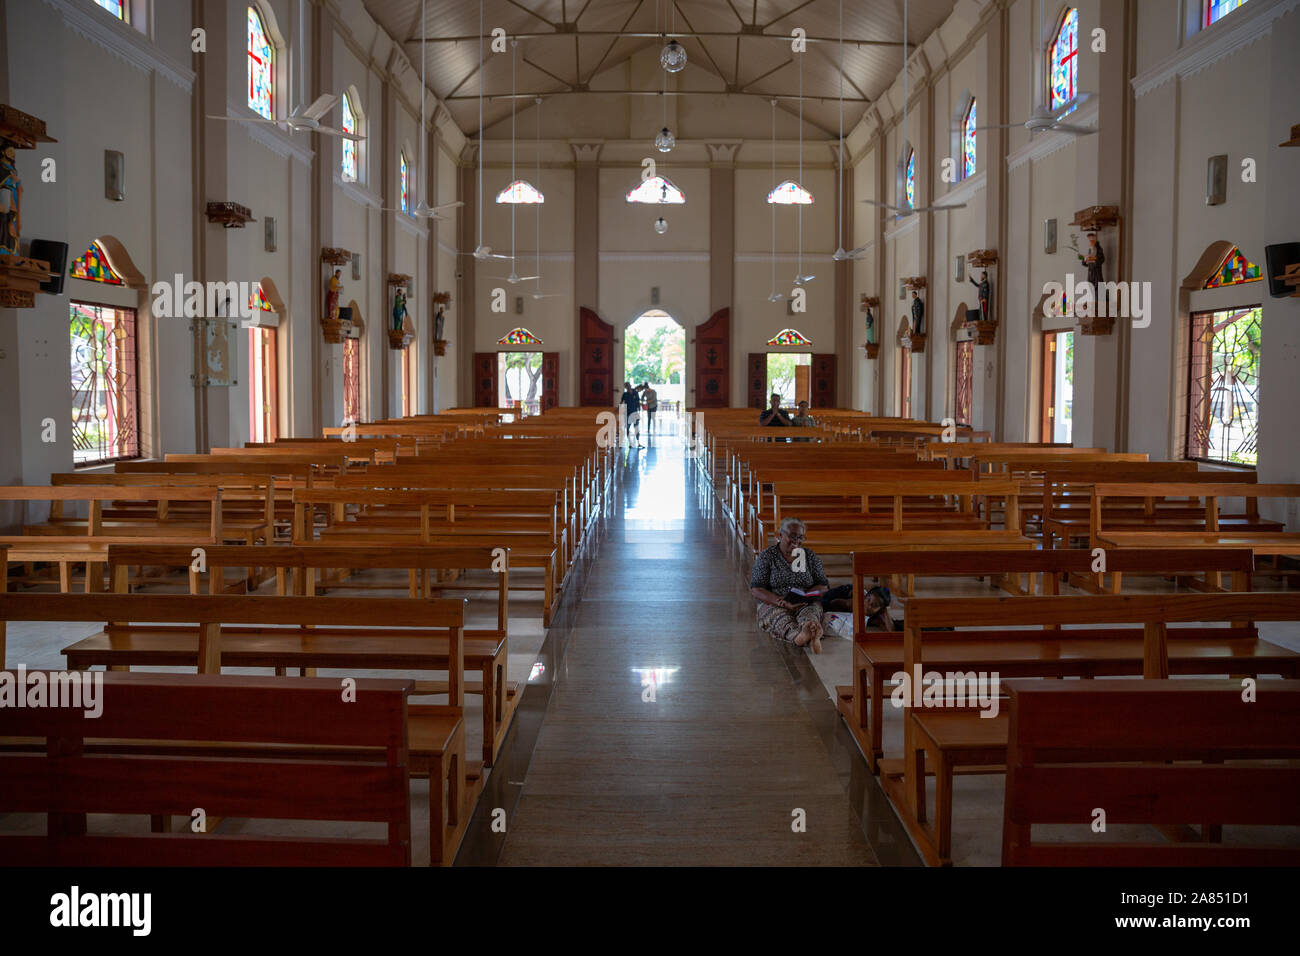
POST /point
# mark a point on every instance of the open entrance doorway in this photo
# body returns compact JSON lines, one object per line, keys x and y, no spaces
{"x":519,"y":379}
{"x":789,"y":374}
{"x":1058,"y":387}
{"x":654,"y":353}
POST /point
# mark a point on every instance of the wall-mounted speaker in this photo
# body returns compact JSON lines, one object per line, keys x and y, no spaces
{"x":1276,"y":260}
{"x":56,"y":254}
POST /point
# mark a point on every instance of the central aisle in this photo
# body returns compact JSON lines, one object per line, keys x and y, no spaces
{"x":676,"y":733}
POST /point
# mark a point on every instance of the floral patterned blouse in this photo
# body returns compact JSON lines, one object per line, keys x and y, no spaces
{"x":773,"y":572}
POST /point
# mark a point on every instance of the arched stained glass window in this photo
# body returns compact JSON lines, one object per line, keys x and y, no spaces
{"x":1235,"y":269}
{"x":968,"y":142}
{"x":1063,"y":66}
{"x":789,"y":337}
{"x":790,"y":193}
{"x":258,"y":300}
{"x":119,"y":8}
{"x":261,"y":66}
{"x":404,"y":175}
{"x":520,"y":191}
{"x":1215,"y":10}
{"x":93,"y":265}
{"x":656,"y":189}
{"x":909,"y":179}
{"x":519,"y":336}
{"x":350,"y":145}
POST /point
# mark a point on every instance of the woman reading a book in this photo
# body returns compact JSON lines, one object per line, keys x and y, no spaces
{"x":788,"y":582}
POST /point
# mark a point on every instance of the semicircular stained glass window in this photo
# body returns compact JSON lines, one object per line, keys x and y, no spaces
{"x":790,"y":193}
{"x":520,"y":336}
{"x":258,"y":300}
{"x":93,"y":265}
{"x":520,"y":191}
{"x":1235,"y":269}
{"x":656,"y":189}
{"x":789,"y":337}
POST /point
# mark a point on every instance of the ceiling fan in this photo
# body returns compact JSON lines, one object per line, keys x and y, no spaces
{"x":902,"y":211}
{"x":422,"y":209}
{"x":1043,"y":120}
{"x":481,"y":251}
{"x":839,"y":255}
{"x":301,"y":119}
{"x":512,"y":278}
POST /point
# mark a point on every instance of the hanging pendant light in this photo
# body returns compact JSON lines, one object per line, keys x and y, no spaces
{"x":673,"y":57}
{"x":665,"y":141}
{"x":661,"y":225}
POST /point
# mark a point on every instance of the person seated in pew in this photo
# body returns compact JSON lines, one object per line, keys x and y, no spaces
{"x":773,"y":415}
{"x":780,"y":611}
{"x":802,"y":419}
{"x":875,"y":606}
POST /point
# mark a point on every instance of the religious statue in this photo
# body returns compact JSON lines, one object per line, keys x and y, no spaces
{"x":918,"y":314}
{"x":399,"y":309}
{"x":332,"y":300}
{"x":11,"y":199}
{"x":985,"y":292}
{"x":1094,"y":260}
{"x":871,"y":327}
{"x":438,"y":321}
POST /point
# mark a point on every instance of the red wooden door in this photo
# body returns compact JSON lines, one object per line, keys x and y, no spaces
{"x":550,"y":380}
{"x":596,"y":379}
{"x":757,"y":366}
{"x":823,"y":380}
{"x":712,"y":361}
{"x":485,"y":379}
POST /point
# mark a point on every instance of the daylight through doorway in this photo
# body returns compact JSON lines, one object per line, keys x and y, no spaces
{"x":519,"y":379}
{"x":654,"y":352}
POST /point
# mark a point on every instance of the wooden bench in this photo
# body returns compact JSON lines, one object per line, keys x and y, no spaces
{"x":358,"y":771}
{"x":206,"y":632}
{"x":955,"y":741}
{"x":1064,"y":752}
{"x":878,"y":655}
{"x":303,"y":570}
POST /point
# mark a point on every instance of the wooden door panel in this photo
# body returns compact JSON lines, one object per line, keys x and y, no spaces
{"x":485,"y":379}
{"x":596,"y":379}
{"x":823,"y":380}
{"x":550,"y":380}
{"x":757,"y":365}
{"x":712,"y":361}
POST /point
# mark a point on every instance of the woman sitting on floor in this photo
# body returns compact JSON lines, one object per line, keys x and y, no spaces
{"x":780,"y":612}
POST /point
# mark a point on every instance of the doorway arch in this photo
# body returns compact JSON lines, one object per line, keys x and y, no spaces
{"x":659,"y":339}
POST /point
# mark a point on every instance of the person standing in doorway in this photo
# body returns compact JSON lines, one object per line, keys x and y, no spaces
{"x":631,"y":403}
{"x":650,"y":399}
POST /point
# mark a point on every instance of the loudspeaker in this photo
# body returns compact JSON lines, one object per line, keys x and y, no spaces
{"x":56,"y":254}
{"x":1276,"y":259}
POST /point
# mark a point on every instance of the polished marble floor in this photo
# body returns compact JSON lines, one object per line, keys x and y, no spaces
{"x":664,"y":728}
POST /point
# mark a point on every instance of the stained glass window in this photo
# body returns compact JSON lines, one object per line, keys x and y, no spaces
{"x":350,"y":145}
{"x":909,"y":179}
{"x":93,"y":265}
{"x":519,"y":336}
{"x":968,"y":142}
{"x":1223,"y":401}
{"x":404,"y":173}
{"x":1235,"y":269}
{"x":104,"y":423}
{"x":1063,"y":72}
{"x":258,"y":300}
{"x":656,"y":189}
{"x":789,"y":337}
{"x":1215,"y":10}
{"x":520,"y":191}
{"x":119,"y":8}
{"x":790,"y":193}
{"x":261,"y":67}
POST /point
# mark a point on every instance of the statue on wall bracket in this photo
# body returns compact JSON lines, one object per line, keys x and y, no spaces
{"x":869,"y":304}
{"x":986,"y":326}
{"x":20,"y":277}
{"x":916,"y":335}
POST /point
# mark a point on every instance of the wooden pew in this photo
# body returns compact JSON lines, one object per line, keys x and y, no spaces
{"x":484,"y":650}
{"x":351,"y":634}
{"x":877,"y":656}
{"x":88,"y":542}
{"x":358,"y":771}
{"x":956,"y":740}
{"x":1066,"y":741}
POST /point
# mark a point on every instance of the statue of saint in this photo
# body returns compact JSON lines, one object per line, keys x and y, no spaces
{"x":1094,"y":260}
{"x":332,"y":300}
{"x":438,"y":321}
{"x":871,"y":327}
{"x":11,"y":201}
{"x":918,"y":314}
{"x":399,"y":309}
{"x":985,"y":292}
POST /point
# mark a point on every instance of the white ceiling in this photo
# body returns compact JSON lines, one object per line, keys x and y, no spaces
{"x":742,"y":47}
